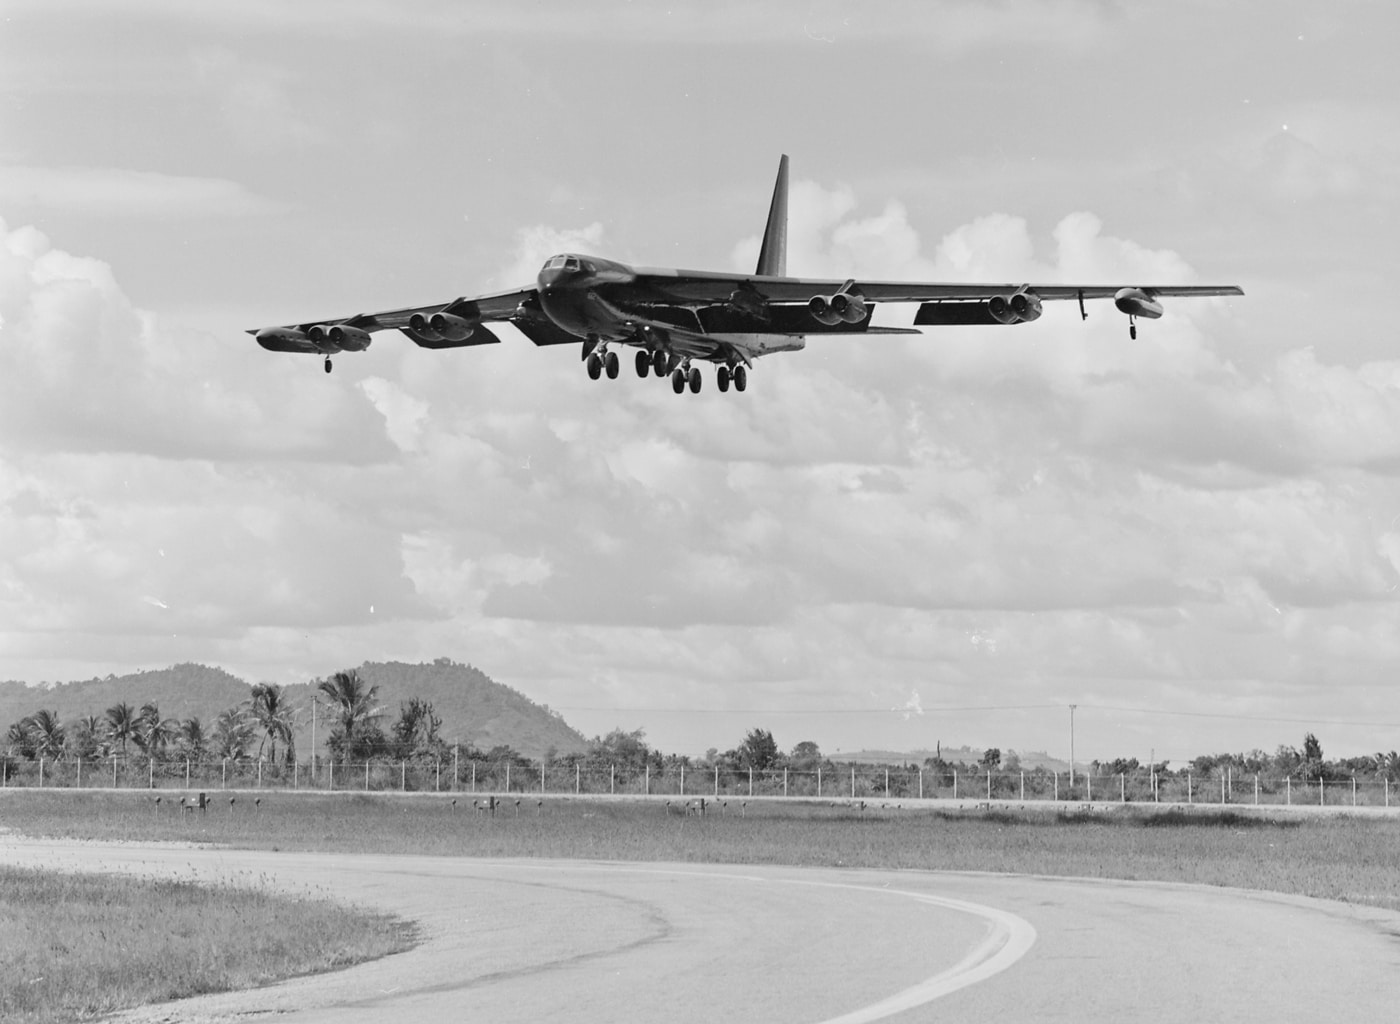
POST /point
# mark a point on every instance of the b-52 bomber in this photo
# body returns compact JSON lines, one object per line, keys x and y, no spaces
{"x":678,"y":318}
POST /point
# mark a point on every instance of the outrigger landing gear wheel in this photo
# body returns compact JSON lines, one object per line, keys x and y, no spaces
{"x":328,"y":364}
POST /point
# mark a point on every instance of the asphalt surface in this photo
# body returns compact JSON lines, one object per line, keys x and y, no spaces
{"x":580,"y":941}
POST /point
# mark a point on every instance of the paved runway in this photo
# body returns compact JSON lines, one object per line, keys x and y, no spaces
{"x":583,"y":941}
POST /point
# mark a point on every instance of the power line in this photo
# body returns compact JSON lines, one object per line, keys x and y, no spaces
{"x":902,"y":710}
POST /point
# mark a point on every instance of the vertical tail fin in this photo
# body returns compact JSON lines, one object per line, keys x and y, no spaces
{"x":772,"y":257}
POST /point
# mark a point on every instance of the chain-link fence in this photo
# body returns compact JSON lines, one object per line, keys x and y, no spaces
{"x":834,"y":782}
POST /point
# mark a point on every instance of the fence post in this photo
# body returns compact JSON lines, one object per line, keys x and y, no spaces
{"x":716,"y":782}
{"x":1353,"y":790}
{"x":887,"y":783}
{"x":751,"y":781}
{"x":853,"y":782}
{"x":296,"y":774}
{"x":1288,"y":789}
{"x":989,"y":783}
{"x":1023,"y":786}
{"x":151,"y":773}
{"x":955,"y":783}
{"x":612,"y":778}
{"x":456,"y":774}
{"x":1057,"y":785}
{"x":647,"y":779}
{"x":785,"y":780}
{"x":1387,"y":790}
{"x":1222,"y":789}
{"x":682,"y":793}
{"x":41,"y":773}
{"x":542,"y":767}
{"x":1123,"y":787}
{"x":366,"y":775}
{"x":330,"y":773}
{"x":260,"y":764}
{"x":114,"y":771}
{"x":1088,"y":786}
{"x":507,"y":776}
{"x":921,"y":783}
{"x":473,"y":776}
{"x":819,"y":782}
{"x":187,"y":774}
{"x":1321,"y":792}
{"x":223,"y":775}
{"x":403,"y":775}
{"x":437,"y":778}
{"x":1256,"y":789}
{"x":1189,"y":795}
{"x":80,"y":772}
{"x":578,"y":778}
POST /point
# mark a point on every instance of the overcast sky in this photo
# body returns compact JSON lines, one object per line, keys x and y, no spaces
{"x":885,"y":542}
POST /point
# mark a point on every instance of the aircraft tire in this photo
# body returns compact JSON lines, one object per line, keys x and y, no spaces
{"x":695,"y":380}
{"x":328,"y":364}
{"x":722,"y":377}
{"x":643,"y":362}
{"x":610,"y":363}
{"x":595,"y":366}
{"x":678,"y":382}
{"x":658,"y":363}
{"x":741,"y":378}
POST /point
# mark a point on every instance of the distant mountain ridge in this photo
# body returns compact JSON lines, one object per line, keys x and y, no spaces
{"x":475,"y":709}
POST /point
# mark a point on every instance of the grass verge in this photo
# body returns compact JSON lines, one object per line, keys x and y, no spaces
{"x":1337,"y":857}
{"x":79,"y":946}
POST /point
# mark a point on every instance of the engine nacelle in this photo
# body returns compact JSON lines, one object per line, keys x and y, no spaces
{"x":1026,"y":306}
{"x":451,"y":327}
{"x":348,"y":339}
{"x":999,"y":307}
{"x":1135,"y":302}
{"x":820,"y":308}
{"x":419,"y":325}
{"x":850,"y":308}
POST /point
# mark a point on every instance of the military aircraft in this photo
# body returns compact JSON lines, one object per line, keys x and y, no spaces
{"x":678,"y":318}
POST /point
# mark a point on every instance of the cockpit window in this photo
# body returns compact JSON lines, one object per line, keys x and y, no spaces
{"x":571,"y":263}
{"x":557,"y":263}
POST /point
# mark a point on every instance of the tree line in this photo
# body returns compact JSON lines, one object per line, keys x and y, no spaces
{"x":264,"y":727}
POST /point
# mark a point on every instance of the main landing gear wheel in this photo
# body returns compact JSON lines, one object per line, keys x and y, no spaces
{"x":595,"y":366}
{"x":741,"y":378}
{"x":678,"y":381}
{"x":643,"y":363}
{"x":610,"y":364}
{"x":328,"y":364}
{"x":694,"y":380}
{"x":658,"y":363}
{"x":722,"y":377}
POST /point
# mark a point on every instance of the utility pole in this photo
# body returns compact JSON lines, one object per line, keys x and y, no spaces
{"x":1071,"y":748}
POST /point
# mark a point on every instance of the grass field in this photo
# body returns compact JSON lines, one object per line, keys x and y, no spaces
{"x":75,"y":947}
{"x":1334,"y":857}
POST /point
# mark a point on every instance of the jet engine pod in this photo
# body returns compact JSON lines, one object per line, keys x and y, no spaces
{"x":1026,"y":306}
{"x":419,"y":325}
{"x":1136,"y":302}
{"x":451,"y":327}
{"x":822,"y":312}
{"x":348,"y":339}
{"x":999,"y":307}
{"x":848,"y":307}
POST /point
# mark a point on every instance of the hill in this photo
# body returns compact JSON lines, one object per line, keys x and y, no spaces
{"x":474,"y":708}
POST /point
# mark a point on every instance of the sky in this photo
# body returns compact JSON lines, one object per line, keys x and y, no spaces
{"x":886,"y":542}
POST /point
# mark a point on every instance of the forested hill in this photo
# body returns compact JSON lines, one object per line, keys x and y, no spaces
{"x":474,"y":708}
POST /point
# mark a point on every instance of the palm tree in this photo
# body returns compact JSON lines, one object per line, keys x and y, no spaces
{"x":122,"y":719}
{"x":352,"y":701}
{"x":45,"y":733}
{"x":194,"y":744}
{"x":233,"y":734}
{"x":85,"y":737}
{"x":153,"y":733}
{"x":270,"y":712}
